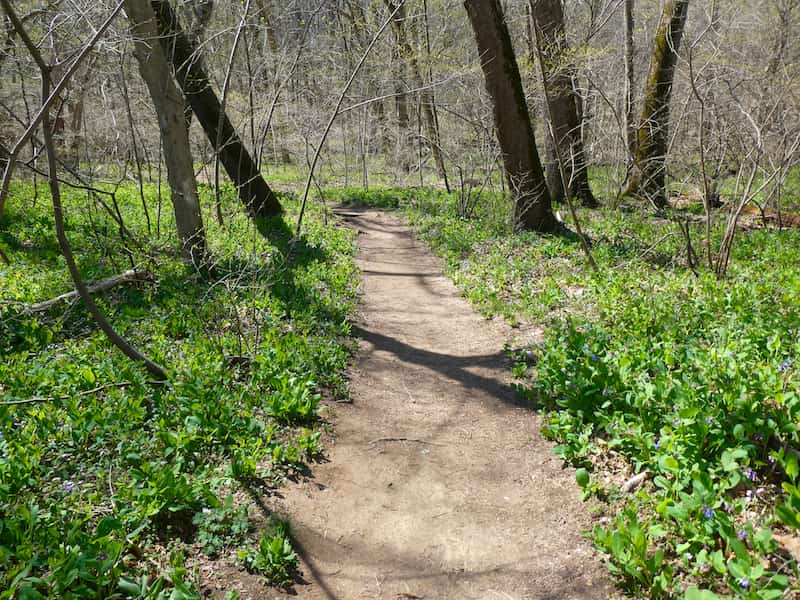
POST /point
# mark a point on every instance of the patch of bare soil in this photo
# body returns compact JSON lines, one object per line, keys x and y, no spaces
{"x":438,"y":484}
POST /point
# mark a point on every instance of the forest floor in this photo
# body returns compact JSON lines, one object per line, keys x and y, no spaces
{"x":438,"y":484}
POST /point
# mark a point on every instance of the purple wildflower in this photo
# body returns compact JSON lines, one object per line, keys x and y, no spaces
{"x":657,"y":444}
{"x":708,"y":512}
{"x":676,"y":422}
{"x":744,"y":583}
{"x":785,"y":365}
{"x":709,"y":420}
{"x":688,"y":556}
{"x":751,"y":475}
{"x":742,"y":535}
{"x":704,"y":566}
{"x":68,"y":486}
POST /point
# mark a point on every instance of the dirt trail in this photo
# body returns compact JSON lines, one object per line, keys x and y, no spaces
{"x":438,"y":484}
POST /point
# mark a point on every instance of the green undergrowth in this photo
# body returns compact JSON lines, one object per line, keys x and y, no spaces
{"x":113,"y":486}
{"x":649,"y":368}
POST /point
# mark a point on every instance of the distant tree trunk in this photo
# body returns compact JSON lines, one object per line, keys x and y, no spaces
{"x":784,"y":10}
{"x":169,"y":106}
{"x":427,"y":99}
{"x":258,"y":198}
{"x":200,"y":15}
{"x":401,"y":100}
{"x":514,"y":131}
{"x":648,"y":177}
{"x":630,"y":107}
{"x":548,"y":16}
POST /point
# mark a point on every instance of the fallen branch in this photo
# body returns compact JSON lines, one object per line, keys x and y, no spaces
{"x":103,"y":285}
{"x":402,"y":439}
{"x":120,"y":385}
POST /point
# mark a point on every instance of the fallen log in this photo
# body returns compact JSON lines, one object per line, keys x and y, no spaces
{"x":130,"y":276}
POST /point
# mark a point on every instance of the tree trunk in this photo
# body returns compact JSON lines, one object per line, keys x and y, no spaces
{"x":427,"y":99}
{"x":514,"y":131}
{"x":548,"y":18}
{"x":258,"y":198}
{"x":648,"y":179}
{"x":200,"y":12}
{"x":169,"y":106}
{"x":401,"y":99}
{"x":630,"y":122}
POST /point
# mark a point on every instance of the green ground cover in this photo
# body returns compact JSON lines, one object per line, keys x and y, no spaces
{"x":108,"y":483}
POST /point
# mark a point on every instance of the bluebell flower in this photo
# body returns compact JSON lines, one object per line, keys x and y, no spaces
{"x":708,"y":512}
{"x":744,"y":583}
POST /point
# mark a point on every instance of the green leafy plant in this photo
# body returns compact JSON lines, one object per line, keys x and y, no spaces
{"x":221,"y":527}
{"x":273,"y":557}
{"x":293,"y":400}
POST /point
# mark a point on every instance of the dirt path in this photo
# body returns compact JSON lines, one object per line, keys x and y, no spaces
{"x":438,"y":484}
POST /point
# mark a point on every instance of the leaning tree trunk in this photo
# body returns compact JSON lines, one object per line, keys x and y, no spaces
{"x":427,"y":99}
{"x":512,"y":121}
{"x":648,"y":177}
{"x":559,"y":75}
{"x":169,"y":106}
{"x":258,"y":198}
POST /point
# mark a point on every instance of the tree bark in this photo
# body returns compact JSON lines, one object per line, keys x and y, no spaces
{"x":514,"y":131}
{"x":258,"y":198}
{"x":648,"y":177}
{"x":154,"y":69}
{"x":563,"y":104}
